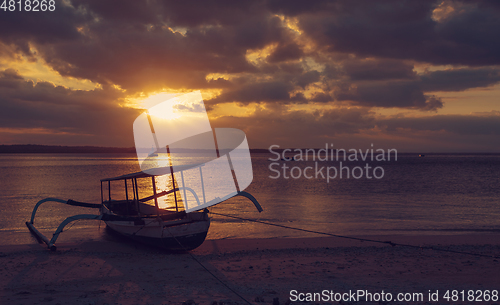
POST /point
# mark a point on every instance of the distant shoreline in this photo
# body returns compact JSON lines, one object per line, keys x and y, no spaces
{"x":56,"y":149}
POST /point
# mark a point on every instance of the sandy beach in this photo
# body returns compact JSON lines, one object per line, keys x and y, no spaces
{"x":263,"y":271}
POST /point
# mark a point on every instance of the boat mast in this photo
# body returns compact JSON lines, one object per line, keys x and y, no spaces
{"x":233,"y":173}
{"x":173,"y":178}
{"x":153,"y":131}
{"x":126,"y":197}
{"x":169,"y":161}
{"x":154,"y":193}
{"x":136,"y":194}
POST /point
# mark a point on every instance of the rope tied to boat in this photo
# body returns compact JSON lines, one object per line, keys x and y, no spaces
{"x":206,"y":269}
{"x":393,"y":244}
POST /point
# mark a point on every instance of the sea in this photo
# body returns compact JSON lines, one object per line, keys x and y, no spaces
{"x":431,"y":194}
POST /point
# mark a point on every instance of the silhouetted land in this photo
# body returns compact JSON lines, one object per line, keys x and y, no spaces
{"x":30,"y":149}
{"x":55,"y":149}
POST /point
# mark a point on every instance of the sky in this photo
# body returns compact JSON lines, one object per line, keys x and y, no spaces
{"x":417,"y":76}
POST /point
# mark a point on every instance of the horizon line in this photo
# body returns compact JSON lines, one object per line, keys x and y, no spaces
{"x":42,"y":148}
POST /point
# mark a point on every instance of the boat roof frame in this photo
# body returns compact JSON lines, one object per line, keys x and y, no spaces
{"x":159,"y":171}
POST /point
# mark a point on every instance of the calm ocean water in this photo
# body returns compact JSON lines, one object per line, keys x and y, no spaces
{"x":436,"y":194}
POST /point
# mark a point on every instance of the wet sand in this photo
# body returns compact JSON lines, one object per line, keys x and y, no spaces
{"x":263,"y":271}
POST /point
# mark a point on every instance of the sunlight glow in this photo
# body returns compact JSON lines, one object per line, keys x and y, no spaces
{"x":216,"y":76}
{"x":165,"y":110}
{"x":233,"y":109}
{"x":152,"y":100}
{"x":144,"y":100}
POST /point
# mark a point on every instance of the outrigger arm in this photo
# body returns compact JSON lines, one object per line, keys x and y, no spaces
{"x":51,"y":243}
{"x":252,"y":198}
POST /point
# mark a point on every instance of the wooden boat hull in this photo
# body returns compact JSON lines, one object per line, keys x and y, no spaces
{"x":176,"y":235}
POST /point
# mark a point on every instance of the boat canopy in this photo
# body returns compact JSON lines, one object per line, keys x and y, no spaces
{"x":160,"y":171}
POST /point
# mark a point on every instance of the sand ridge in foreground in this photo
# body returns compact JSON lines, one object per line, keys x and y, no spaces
{"x":261,"y":270}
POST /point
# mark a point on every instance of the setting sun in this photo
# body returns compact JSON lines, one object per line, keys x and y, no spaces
{"x":165,"y":110}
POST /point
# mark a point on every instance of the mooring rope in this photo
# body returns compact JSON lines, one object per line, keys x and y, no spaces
{"x":357,"y":238}
{"x":206,"y":269}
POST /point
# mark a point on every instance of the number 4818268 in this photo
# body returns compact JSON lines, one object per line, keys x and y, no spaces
{"x":28,"y":5}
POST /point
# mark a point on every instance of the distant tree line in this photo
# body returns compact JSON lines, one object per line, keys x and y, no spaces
{"x":53,"y":149}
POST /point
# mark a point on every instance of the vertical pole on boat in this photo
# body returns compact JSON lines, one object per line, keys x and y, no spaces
{"x":126,"y":197}
{"x":126,"y":190}
{"x":109,"y":190}
{"x":173,"y":178}
{"x":202,"y":186}
{"x":136,"y":195}
{"x":154,"y":193}
{"x":102,"y":197}
{"x":184,"y":188}
{"x":233,"y":173}
{"x":133,"y":191}
{"x":133,"y":188}
{"x":157,"y":149}
{"x":153,"y":131}
{"x":216,"y":146}
{"x":229,"y":160}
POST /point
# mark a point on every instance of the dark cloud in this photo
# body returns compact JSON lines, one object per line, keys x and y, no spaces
{"x":297,"y":7}
{"x":122,"y":11}
{"x":489,"y":4}
{"x":280,"y":90}
{"x":403,"y":94}
{"x":92,"y":114}
{"x":10,"y":79}
{"x":412,"y":93}
{"x":285,"y":52}
{"x":151,"y":57}
{"x":307,"y":78}
{"x":459,"y":79}
{"x":322,"y":98}
{"x":355,"y":127}
{"x":398,"y":86}
{"x":378,"y":69}
{"x":135,"y":47}
{"x":43,"y":27}
{"x":369,"y":27}
{"x":219,"y":12}
{"x":407,"y":30}
{"x":182,"y":14}
{"x":257,"y":92}
{"x":311,"y":127}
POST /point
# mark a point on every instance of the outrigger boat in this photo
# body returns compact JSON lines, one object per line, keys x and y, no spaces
{"x":140,"y":216}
